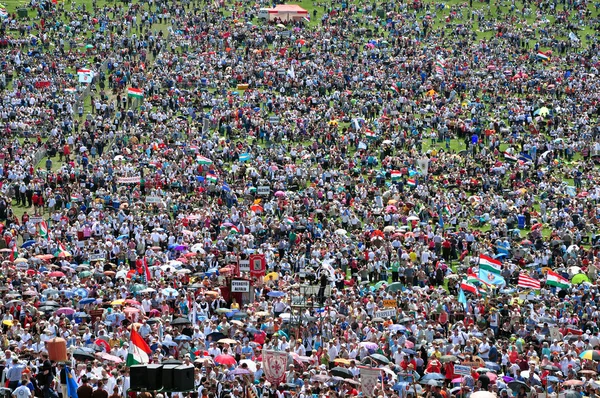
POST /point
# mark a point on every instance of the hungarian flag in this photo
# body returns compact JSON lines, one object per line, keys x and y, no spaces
{"x":396,"y":175}
{"x":289,"y":220}
{"x":146,"y":270}
{"x":14,"y":254}
{"x":212,"y":178}
{"x":446,"y":210}
{"x":467,"y":287}
{"x":542,"y":56}
{"x":489,"y":264}
{"x":553,"y":279}
{"x":370,"y":134}
{"x":411,"y":182}
{"x":135,"y":93}
{"x":138,"y":350}
{"x":234,"y":230}
{"x":394,"y":88}
{"x":43,"y":230}
{"x":528,"y":282}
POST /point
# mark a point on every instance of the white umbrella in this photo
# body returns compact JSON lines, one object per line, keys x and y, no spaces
{"x":412,"y":218}
{"x":251,"y":364}
{"x":341,"y":231}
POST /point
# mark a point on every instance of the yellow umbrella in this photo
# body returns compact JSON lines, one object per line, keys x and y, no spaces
{"x":273,"y":276}
{"x":343,"y":361}
{"x":227,"y":341}
{"x":262,"y":313}
{"x":7,"y":322}
{"x":333,"y":123}
{"x":431,"y":93}
{"x":118,"y":302}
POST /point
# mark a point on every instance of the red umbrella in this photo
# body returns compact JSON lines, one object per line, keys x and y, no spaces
{"x":132,"y":302}
{"x":103,"y":343}
{"x":224,"y":359}
{"x":57,"y":274}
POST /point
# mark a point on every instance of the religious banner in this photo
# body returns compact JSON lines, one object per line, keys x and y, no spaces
{"x":274,"y":365}
{"x":368,"y":379}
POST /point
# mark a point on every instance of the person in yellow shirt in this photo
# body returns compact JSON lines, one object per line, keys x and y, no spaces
{"x":235,"y":305}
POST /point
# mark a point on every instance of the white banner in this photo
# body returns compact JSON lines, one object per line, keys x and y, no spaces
{"x":153,"y":199}
{"x":369,"y":379}
{"x":423,"y":165}
{"x":244,"y":265}
{"x":96,"y":257}
{"x":85,"y":77}
{"x":240,"y":286}
{"x":386,"y":313}
{"x":128,"y":180}
{"x":263,"y":190}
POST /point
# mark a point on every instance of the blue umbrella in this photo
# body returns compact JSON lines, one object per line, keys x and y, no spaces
{"x":182,"y":337}
{"x":81,"y":292}
{"x":492,"y":365}
{"x":276,"y":294}
{"x":231,"y":313}
{"x":409,"y":351}
{"x":169,"y":343}
{"x":123,"y":237}
{"x":87,"y":301}
{"x":433,"y":376}
{"x":28,"y":243}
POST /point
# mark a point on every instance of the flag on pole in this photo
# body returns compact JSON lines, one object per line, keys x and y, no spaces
{"x":147,"y":273}
{"x":212,"y":178}
{"x":553,"y":279}
{"x":528,"y":282}
{"x":542,"y":56}
{"x":43,"y":230}
{"x":71,"y":384}
{"x":14,"y":254}
{"x":411,"y":182}
{"x":396,"y":175}
{"x":491,"y":278}
{"x":135,"y":93}
{"x":462,"y":298}
{"x":440,"y":66}
{"x":138,"y":350}
{"x":489,"y":264}
{"x":468,"y":287}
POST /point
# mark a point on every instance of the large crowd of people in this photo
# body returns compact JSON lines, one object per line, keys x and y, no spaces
{"x":398,"y":198}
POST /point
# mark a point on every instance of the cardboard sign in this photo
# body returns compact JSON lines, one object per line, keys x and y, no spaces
{"x":244,"y":265}
{"x":96,"y":257}
{"x":264,"y":190}
{"x":386,"y":313}
{"x":462,"y":370}
{"x":555,"y":334}
{"x":390,"y":303}
{"x":240,"y":286}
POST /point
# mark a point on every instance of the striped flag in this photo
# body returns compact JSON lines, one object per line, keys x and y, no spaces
{"x":147,"y":273}
{"x":212,"y":178}
{"x":135,"y":93}
{"x":554,"y":279}
{"x":395,"y":88}
{"x":510,"y":158}
{"x":467,"y":287}
{"x":446,"y":210}
{"x":138,"y":350}
{"x":14,"y":254}
{"x":542,"y":56}
{"x":489,"y":264}
{"x":370,"y":134}
{"x":528,"y":282}
{"x":440,"y":66}
{"x":396,"y":175}
{"x":43,"y":230}
{"x":411,"y":182}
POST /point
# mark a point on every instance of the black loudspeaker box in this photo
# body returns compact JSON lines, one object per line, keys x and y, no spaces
{"x":183,"y":378}
{"x":138,"y":376}
{"x":154,"y":380}
{"x":168,"y":377}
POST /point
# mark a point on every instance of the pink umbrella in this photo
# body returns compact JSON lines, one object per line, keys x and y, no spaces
{"x":131,"y":310}
{"x":65,"y":310}
{"x":108,"y":357}
{"x":279,"y":194}
{"x":493,"y":376}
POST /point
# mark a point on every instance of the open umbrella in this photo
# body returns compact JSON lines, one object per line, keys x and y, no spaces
{"x":593,"y":355}
{"x":224,"y":359}
{"x":82,"y":355}
{"x":65,"y":311}
{"x":341,"y":372}
{"x":394,"y":287}
{"x":180,"y":321}
{"x":379,"y":358}
{"x":579,"y":279}
{"x":516,"y":385}
{"x":448,"y":358}
{"x":433,"y":376}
